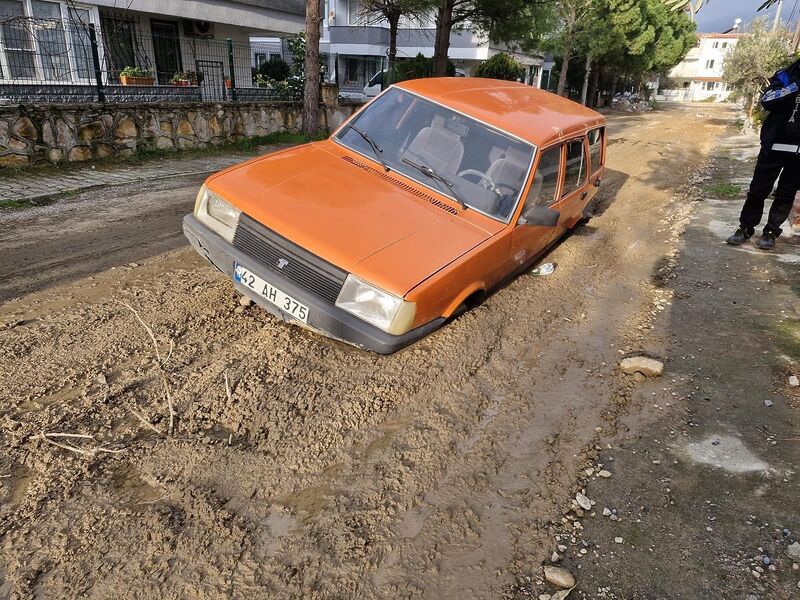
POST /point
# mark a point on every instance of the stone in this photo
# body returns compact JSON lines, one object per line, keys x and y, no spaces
{"x":93,"y":130}
{"x":24,"y":128}
{"x":559,"y":577}
{"x":618,"y":540}
{"x":793,"y":551}
{"x":642,"y":364}
{"x":201,"y":128}
{"x":638,"y":377}
{"x":101,"y":379}
{"x":245,"y":301}
{"x":767,"y":403}
{"x":13,"y":160}
{"x":214,"y":126}
{"x":562,"y":548}
{"x":239,"y":310}
{"x":185,"y":128}
{"x":794,"y":381}
{"x":126,"y":129}
{"x":166,"y":127}
{"x":3,"y":132}
{"x":186,"y":142}
{"x":150,"y":127}
{"x":606,"y":512}
{"x":164,"y":143}
{"x":55,"y":155}
{"x":63,"y":132}
{"x":79,"y":154}
{"x":583,"y":501}
{"x":555,"y":557}
{"x":17,"y":145}
{"x":604,"y":473}
{"x":48,"y":134}
{"x":104,"y":150}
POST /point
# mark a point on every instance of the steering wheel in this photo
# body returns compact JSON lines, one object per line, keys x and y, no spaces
{"x":484,"y":178}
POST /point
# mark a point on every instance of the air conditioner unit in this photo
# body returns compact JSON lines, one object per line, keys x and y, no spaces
{"x":203,"y":29}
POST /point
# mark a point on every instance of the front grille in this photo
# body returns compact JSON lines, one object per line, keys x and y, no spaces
{"x":298,"y":265}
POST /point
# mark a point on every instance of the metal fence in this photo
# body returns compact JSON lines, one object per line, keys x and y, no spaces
{"x":51,"y":60}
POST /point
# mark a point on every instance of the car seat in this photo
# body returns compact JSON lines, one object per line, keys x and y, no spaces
{"x":438,"y":146}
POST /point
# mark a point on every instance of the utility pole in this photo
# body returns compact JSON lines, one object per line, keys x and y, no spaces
{"x":776,"y":23}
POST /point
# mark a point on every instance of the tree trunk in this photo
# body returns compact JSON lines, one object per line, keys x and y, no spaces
{"x":444,"y":24}
{"x":585,"y":90}
{"x":562,"y":76}
{"x":312,"y":83}
{"x":594,"y":83}
{"x":390,"y":74}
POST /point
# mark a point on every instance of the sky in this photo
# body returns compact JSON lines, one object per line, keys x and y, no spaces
{"x":718,"y":15}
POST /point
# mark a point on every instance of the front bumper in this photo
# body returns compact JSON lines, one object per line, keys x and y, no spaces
{"x":323,"y":317}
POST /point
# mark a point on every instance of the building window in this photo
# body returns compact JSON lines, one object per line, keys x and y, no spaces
{"x":275,"y":56}
{"x":710,"y":64}
{"x":724,"y":44}
{"x":261,"y":58}
{"x":355,"y":12}
{"x":46,"y":40}
{"x":715,"y":45}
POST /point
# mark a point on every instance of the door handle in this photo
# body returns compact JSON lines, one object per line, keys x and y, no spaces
{"x":597,"y":182}
{"x":584,"y":194}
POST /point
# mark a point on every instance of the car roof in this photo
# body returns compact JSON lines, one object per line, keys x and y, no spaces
{"x":522,"y":110}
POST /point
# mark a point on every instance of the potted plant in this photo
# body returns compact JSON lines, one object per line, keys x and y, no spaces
{"x":180,"y":79}
{"x":187,"y":78}
{"x":136,"y":76}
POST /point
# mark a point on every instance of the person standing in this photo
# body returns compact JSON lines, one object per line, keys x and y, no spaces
{"x":779,"y":159}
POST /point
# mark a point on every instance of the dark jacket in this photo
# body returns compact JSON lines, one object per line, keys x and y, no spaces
{"x":782,"y":100}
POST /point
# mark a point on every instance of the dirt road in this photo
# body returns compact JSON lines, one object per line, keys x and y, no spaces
{"x":318,"y":471}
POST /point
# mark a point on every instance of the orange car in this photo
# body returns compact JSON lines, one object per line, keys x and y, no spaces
{"x":414,"y":209}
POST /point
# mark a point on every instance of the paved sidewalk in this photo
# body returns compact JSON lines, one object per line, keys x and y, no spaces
{"x":33,"y":185}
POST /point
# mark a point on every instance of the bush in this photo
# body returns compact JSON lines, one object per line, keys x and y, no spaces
{"x":275,"y":70}
{"x":419,"y":67}
{"x":500,"y":66}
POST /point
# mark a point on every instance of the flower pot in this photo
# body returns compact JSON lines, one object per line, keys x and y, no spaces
{"x":127,"y":80}
{"x":228,"y":83}
{"x":181,"y":83}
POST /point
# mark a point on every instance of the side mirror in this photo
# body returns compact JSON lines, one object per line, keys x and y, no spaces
{"x":540,"y":216}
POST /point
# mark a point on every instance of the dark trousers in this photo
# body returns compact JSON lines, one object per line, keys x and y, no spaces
{"x":770,"y":165}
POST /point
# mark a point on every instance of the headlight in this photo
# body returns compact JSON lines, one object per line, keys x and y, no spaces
{"x":216,"y":213}
{"x":384,"y":310}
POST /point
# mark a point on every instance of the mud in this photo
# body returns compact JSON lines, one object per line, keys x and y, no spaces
{"x":318,"y":471}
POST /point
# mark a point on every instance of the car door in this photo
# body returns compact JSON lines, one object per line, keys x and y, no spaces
{"x":529,"y":239}
{"x":575,"y":185}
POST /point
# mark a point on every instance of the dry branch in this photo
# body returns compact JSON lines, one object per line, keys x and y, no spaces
{"x":146,"y":422}
{"x":146,"y":328}
{"x":82,"y":451}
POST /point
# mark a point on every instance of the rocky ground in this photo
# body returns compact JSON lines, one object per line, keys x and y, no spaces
{"x":224,"y":454}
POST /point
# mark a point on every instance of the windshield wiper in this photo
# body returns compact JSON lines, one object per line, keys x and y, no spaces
{"x":375,"y":148}
{"x":426,"y":170}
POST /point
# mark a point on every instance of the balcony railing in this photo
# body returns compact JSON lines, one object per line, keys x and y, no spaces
{"x":45,"y":61}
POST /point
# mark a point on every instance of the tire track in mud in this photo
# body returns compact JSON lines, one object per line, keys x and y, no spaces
{"x":331,"y":472}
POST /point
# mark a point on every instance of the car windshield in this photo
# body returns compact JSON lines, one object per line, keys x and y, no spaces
{"x":464,"y":159}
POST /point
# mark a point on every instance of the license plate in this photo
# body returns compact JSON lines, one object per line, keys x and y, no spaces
{"x":263,"y":288}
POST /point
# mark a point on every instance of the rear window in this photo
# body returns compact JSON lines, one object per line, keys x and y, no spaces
{"x":596,"y":147}
{"x":576,"y":169}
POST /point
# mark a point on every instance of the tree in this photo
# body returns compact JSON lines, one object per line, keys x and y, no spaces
{"x":392,"y":11}
{"x":749,"y":64}
{"x":311,"y":64}
{"x":499,"y":20}
{"x":500,"y":66}
{"x":572,"y":18}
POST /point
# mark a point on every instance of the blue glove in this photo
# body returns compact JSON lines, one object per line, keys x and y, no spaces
{"x":783,"y":77}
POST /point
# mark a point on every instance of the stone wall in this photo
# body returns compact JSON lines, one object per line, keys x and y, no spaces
{"x":77,"y":133}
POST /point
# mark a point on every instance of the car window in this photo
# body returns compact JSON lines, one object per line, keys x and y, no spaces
{"x":576,"y":169}
{"x":545,"y":179}
{"x":447,"y":151}
{"x":376,"y":79}
{"x":595,"y":148}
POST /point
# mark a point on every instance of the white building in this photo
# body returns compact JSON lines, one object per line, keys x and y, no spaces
{"x":356,"y":46}
{"x":698,"y":77}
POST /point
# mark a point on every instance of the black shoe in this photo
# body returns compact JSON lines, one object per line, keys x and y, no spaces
{"x":739,"y":238}
{"x":766,"y":241}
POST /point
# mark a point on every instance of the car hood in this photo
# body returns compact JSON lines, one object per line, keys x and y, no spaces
{"x":340,"y":207}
